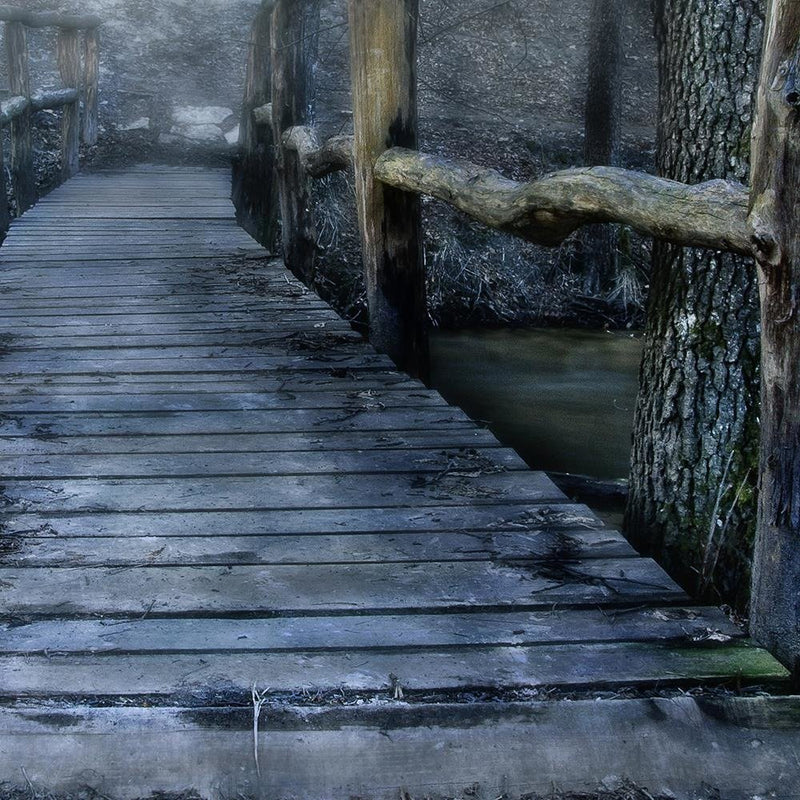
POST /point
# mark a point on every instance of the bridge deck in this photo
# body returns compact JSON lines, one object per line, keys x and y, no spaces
{"x":210,"y":484}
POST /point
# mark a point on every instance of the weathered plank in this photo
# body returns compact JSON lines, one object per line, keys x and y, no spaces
{"x":684,"y":626}
{"x":531,"y":519}
{"x":446,"y":750}
{"x":42,"y":550}
{"x":311,"y":588}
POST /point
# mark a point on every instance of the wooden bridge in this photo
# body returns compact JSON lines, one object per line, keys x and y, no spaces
{"x":243,"y":555}
{"x":216,"y":495}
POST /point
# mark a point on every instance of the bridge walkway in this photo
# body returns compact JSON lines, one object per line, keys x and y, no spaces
{"x":241,"y":552}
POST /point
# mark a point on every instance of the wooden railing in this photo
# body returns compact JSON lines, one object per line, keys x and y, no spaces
{"x":80,"y":78}
{"x":762,"y":221}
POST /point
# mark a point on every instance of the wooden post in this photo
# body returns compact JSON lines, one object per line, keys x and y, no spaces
{"x":383,"y":37}
{"x":91,"y":79}
{"x":23,"y":177}
{"x":290,"y":97}
{"x":69,"y":65}
{"x":774,"y":215}
{"x":5,"y":212}
{"x":255,"y":188}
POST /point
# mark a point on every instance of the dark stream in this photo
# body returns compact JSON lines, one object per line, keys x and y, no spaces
{"x":562,"y":398}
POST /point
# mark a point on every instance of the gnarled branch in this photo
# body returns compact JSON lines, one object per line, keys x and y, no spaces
{"x":712,"y":214}
{"x":319,"y":160}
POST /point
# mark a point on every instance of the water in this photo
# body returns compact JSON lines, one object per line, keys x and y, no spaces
{"x":563,"y":399}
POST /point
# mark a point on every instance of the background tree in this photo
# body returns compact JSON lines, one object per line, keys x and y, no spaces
{"x":694,"y":461}
{"x":602,"y":132}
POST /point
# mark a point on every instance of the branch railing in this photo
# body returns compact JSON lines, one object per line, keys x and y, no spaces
{"x":763,"y":222}
{"x":78,"y":60}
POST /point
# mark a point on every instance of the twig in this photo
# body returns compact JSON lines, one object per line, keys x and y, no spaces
{"x":259,"y":698}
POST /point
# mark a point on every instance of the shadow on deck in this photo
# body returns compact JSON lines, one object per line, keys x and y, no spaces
{"x":223,"y":511}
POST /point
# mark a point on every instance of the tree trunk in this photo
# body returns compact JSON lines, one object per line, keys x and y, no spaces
{"x":775,"y":210}
{"x":601,"y":128}
{"x":693,"y":472}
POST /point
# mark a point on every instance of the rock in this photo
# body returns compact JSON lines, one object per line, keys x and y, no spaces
{"x":200,"y":115}
{"x":141,"y":124}
{"x":203,"y":133}
{"x":168,"y":138}
{"x":232,"y":137}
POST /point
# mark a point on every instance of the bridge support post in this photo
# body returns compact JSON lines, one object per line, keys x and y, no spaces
{"x":91,"y":77}
{"x":69,"y":65}
{"x":23,"y":177}
{"x":293,"y":23}
{"x":774,"y":212}
{"x":383,"y":37}
{"x":255,"y":188}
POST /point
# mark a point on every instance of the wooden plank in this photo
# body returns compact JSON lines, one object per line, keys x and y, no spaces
{"x":19,"y":365}
{"x":44,"y":443}
{"x":568,"y":666}
{"x":423,"y":462}
{"x":317,"y":589}
{"x":344,"y":491}
{"x":35,"y":550}
{"x":447,"y":750}
{"x":366,"y":416}
{"x":300,"y":381}
{"x":221,"y":401}
{"x":531,"y":518}
{"x":683,"y":626}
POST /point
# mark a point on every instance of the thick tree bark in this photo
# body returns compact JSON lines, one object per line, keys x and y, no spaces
{"x":255,"y":188}
{"x":22,"y":175}
{"x":601,"y":128}
{"x":775,"y":211}
{"x":693,"y":474}
{"x":383,"y":39}
{"x":293,"y":51}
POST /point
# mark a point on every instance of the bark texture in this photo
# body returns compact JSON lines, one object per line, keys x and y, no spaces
{"x":775,"y":211}
{"x":693,"y":474}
